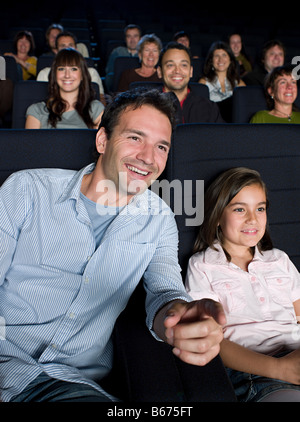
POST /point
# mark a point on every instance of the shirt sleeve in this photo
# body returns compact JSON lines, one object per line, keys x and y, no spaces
{"x":13,"y":210}
{"x":197,"y":281}
{"x":96,"y":108}
{"x":95,"y":77}
{"x":162,"y":279}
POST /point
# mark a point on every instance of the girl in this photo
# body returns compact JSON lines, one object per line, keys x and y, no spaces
{"x":70,"y":103}
{"x":258,"y":286}
{"x":221,"y":76}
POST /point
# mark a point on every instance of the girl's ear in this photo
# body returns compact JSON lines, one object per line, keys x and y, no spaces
{"x":101,"y":140}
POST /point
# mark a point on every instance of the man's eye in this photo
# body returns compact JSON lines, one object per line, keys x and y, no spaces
{"x":163,"y":148}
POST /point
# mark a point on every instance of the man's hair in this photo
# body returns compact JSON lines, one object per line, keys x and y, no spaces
{"x":65,"y":34}
{"x":135,"y":99}
{"x":173,"y":45}
{"x":133,"y":26}
{"x":53,"y":26}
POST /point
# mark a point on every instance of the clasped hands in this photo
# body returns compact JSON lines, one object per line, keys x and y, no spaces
{"x":194,"y":329}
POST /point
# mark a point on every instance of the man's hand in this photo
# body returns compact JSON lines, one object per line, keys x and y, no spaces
{"x":194,"y":329}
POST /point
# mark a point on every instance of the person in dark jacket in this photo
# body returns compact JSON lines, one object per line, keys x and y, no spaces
{"x":175,"y":69}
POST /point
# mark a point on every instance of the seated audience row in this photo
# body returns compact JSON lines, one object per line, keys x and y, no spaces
{"x":221,"y":72}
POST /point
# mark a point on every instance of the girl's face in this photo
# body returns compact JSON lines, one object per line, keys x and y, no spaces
{"x":244,"y":219}
{"x":220,"y":60}
{"x":68,"y":78}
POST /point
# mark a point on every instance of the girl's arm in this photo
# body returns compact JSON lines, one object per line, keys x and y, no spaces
{"x":286,"y":368}
{"x":297,"y":309}
{"x":32,"y":123}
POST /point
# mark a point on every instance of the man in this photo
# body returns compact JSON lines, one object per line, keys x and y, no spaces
{"x":72,"y":254}
{"x":132,"y":35}
{"x":175,"y":68}
{"x":52,"y":31}
{"x":66,"y":39}
{"x":272,"y":55}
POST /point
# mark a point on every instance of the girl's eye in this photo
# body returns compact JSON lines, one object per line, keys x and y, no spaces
{"x":238,"y":209}
{"x":261,"y":209}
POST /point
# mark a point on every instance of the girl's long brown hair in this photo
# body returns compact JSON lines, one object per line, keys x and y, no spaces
{"x":55,"y":104}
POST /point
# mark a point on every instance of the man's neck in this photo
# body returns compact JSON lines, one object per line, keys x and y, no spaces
{"x":180,"y":94}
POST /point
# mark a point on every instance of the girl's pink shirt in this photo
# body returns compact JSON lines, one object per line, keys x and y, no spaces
{"x":258,"y":303}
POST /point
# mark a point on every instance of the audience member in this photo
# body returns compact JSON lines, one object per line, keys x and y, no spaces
{"x":184,"y":38}
{"x":132,"y":35}
{"x":71,"y":101}
{"x":221,"y":76}
{"x":51,"y":34}
{"x":68,"y":40}
{"x":258,"y":286}
{"x":272,"y":55}
{"x":281,"y":91}
{"x":175,"y":69}
{"x":148,"y":48}
{"x":72,"y":255}
{"x":238,"y":49}
{"x":23,"y":54}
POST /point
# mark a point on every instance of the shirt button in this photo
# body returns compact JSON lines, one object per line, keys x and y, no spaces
{"x":253,"y":278}
{"x":86,"y":280}
{"x":72,"y":315}
{"x":262,"y":299}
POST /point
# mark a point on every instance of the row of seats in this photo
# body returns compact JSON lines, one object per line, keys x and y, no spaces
{"x":144,"y":369}
{"x":199,"y":151}
{"x":245,"y":101}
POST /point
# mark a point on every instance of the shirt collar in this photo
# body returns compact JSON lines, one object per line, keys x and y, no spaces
{"x":217,"y":255}
{"x":72,"y":190}
{"x":139,"y":204}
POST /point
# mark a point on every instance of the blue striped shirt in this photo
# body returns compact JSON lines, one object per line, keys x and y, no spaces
{"x":59,"y":294}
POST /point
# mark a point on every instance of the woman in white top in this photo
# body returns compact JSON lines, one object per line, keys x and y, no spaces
{"x":71,"y":100}
{"x":258,"y":286}
{"x":221,"y":76}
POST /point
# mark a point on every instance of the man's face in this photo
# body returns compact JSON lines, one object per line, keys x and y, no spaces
{"x":132,"y":38}
{"x":52,"y":37}
{"x":176,"y":70}
{"x":65,"y":42}
{"x":274,"y":57}
{"x":137,"y":151}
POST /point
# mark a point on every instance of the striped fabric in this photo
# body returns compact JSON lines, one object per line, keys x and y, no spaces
{"x":59,"y":294}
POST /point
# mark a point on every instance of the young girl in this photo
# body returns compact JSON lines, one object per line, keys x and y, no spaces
{"x":258,"y":286}
{"x":71,"y":101}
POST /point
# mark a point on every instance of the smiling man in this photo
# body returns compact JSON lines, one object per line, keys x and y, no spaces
{"x":70,"y":262}
{"x":175,"y":68}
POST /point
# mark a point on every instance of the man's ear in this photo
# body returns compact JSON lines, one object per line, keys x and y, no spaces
{"x":101,"y":139}
{"x":191,"y":72}
{"x":159,"y":72}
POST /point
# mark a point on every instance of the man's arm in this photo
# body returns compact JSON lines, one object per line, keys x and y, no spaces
{"x":194,"y":329}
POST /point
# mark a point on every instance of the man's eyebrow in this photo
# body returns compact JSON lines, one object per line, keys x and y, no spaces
{"x":181,"y":61}
{"x":141,"y":133}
